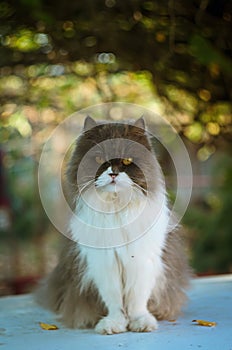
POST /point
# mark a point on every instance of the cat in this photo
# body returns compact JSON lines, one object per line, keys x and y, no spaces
{"x":122,"y":270}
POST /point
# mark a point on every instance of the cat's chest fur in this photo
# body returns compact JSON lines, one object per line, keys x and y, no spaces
{"x":123,"y":235}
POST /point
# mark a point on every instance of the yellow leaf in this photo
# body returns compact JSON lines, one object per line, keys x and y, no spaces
{"x":48,"y":327}
{"x":205,"y":323}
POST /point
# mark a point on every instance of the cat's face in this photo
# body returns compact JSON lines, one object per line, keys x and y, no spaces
{"x":113,"y":174}
{"x":114,"y":157}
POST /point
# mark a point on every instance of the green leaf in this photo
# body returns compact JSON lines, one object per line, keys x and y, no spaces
{"x":207,"y":54}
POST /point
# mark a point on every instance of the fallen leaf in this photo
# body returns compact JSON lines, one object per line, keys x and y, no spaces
{"x":205,"y":323}
{"x":48,"y":327}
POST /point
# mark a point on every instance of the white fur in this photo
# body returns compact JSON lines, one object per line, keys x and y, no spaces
{"x":126,"y":273}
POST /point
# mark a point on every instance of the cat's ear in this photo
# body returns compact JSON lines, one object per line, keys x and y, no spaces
{"x":89,"y":123}
{"x":140,"y":123}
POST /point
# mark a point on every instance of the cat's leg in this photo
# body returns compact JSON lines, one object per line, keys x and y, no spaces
{"x":141,"y":280}
{"x":105,"y":273}
{"x":110,"y":291}
{"x":115,"y":321}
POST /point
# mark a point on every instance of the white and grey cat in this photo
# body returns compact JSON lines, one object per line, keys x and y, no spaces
{"x":122,"y":270}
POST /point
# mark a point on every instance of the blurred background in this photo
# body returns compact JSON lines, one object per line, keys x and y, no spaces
{"x":173,"y":57}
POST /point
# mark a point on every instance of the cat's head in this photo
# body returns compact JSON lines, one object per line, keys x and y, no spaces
{"x":113,"y":157}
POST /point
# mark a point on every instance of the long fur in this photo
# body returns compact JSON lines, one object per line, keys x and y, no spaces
{"x":125,"y":286}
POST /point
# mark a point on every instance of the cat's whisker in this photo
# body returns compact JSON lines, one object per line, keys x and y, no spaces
{"x":140,"y":187}
{"x":86,"y":182}
{"x":81,"y":189}
{"x":79,"y":183}
{"x":83,"y":186}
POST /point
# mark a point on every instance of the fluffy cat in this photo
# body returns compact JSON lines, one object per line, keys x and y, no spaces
{"x":122,"y":269}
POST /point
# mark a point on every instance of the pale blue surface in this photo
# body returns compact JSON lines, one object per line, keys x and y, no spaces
{"x":210,"y":299}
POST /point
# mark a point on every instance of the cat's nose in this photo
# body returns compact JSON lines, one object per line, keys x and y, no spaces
{"x":113,"y":175}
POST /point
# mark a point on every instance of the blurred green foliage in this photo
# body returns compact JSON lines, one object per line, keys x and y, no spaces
{"x":209,"y":223}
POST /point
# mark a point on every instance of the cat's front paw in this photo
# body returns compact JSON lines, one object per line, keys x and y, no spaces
{"x":110,"y":325}
{"x":145,"y":323}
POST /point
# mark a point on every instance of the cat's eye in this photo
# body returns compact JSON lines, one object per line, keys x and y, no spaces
{"x":99,"y":160}
{"x":127,"y":161}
